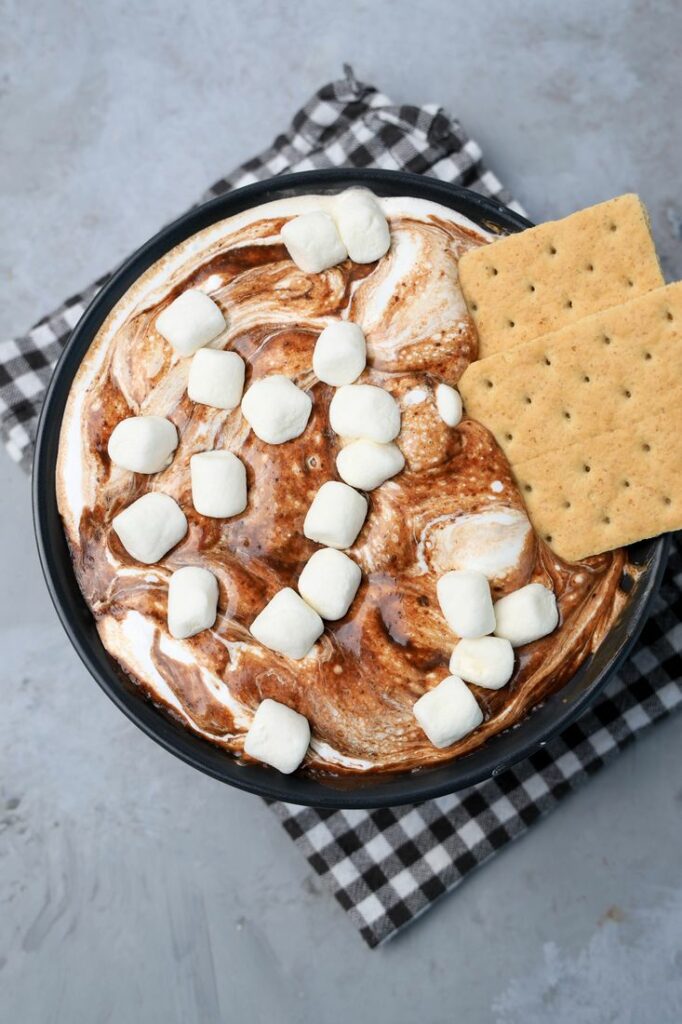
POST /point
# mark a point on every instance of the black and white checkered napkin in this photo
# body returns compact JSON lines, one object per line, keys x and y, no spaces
{"x":387,"y":866}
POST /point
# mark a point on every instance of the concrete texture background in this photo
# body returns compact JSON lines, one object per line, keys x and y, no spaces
{"x":131,"y":887}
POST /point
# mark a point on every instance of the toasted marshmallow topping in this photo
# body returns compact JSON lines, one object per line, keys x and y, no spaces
{"x":192,"y":601}
{"x":435,"y":331}
{"x":143,"y":444}
{"x":366,"y":464}
{"x":448,"y":712}
{"x":340,"y":353}
{"x":216,"y":378}
{"x":275,"y":409}
{"x":498,"y":543}
{"x":190,"y":321}
{"x":336,"y":515}
{"x":150,"y":527}
{"x":329,"y":582}
{"x":465,"y":601}
{"x":365,"y":411}
{"x":526,"y":615}
{"x":313,"y":242}
{"x":218,"y":484}
{"x":362,"y":225}
{"x":486,"y":661}
{"x":278,"y":736}
{"x":288,"y":625}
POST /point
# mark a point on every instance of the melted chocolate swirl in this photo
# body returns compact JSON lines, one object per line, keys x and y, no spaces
{"x":455,"y":505}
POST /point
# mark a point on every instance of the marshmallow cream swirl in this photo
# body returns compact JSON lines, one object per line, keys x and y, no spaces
{"x":454,"y":506}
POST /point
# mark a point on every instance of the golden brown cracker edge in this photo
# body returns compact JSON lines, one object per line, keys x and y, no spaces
{"x":541,"y":279}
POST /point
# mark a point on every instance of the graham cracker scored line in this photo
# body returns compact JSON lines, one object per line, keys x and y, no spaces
{"x":607,"y":491}
{"x":541,"y":279}
{"x":599,"y":374}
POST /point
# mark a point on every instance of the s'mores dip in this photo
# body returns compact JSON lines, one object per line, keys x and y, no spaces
{"x":290,"y":533}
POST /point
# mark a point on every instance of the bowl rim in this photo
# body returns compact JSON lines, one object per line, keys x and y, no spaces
{"x":501,"y":751}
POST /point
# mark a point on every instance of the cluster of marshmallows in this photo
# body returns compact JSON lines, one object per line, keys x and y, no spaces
{"x":277,"y":411}
{"x":450,"y":711}
{"x":354,"y":225}
{"x":155,"y":523}
{"x":367,"y":419}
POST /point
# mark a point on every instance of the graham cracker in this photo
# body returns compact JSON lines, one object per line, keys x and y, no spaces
{"x":609,"y":490}
{"x":606,"y":371}
{"x":543,"y":278}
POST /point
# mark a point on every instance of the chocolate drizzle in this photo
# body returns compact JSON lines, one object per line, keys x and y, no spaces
{"x":358,"y":686}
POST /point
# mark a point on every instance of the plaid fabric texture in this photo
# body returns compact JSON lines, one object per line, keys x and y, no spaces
{"x":386,"y":867}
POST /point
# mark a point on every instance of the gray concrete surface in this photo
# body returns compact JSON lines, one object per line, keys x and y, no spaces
{"x":133,"y":889}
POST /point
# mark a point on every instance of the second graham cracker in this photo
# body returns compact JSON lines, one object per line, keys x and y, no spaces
{"x":609,"y":490}
{"x":541,"y":279}
{"x":603,"y":372}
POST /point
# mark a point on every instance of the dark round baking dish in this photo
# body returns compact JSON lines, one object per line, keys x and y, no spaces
{"x":500,"y":751}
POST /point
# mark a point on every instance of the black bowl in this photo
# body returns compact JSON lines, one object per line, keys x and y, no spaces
{"x":500,"y":751}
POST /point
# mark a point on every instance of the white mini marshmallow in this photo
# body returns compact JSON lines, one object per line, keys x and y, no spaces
{"x":526,"y":615}
{"x":363,"y":410}
{"x":366,"y":464}
{"x":448,"y":713}
{"x":465,"y":601}
{"x":336,"y":515}
{"x":362,"y":225}
{"x":216,"y":378}
{"x":340,"y":353}
{"x":288,"y":625}
{"x":275,"y":409}
{"x":449,"y":404}
{"x":192,"y":601}
{"x":190,"y":322}
{"x":329,"y":583}
{"x":218,"y":484}
{"x":143,"y":444}
{"x":150,"y":527}
{"x":486,"y":661}
{"x":278,"y":736}
{"x":313,"y":242}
